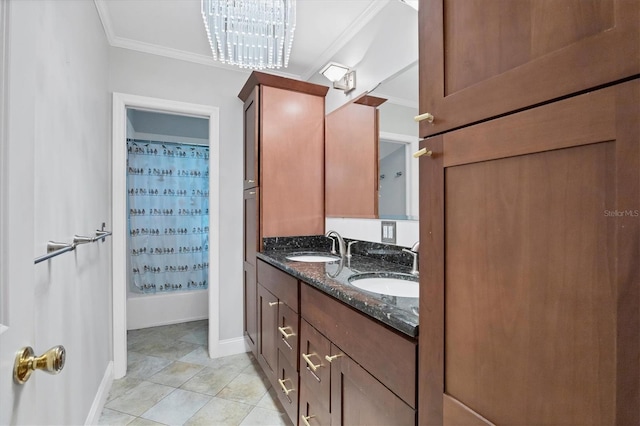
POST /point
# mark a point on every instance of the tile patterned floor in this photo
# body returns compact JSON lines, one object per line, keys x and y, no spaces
{"x":171,"y":381}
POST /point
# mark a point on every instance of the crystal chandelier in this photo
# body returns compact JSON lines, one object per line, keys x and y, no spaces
{"x":253,"y":34}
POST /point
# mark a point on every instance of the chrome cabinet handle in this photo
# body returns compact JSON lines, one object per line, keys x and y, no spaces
{"x":272,"y":304}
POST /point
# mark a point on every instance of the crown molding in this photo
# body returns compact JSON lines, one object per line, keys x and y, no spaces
{"x":167,"y":52}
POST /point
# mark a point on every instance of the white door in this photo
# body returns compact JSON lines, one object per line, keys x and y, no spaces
{"x":18,"y":403}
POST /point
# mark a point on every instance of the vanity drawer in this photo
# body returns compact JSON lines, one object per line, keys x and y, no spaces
{"x":281,"y":284}
{"x":287,"y":389}
{"x":387,"y":355}
{"x":288,"y":334}
{"x":315,"y":371}
{"x":311,"y":409}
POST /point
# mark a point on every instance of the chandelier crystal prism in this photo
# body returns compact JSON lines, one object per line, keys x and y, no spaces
{"x":255,"y":34}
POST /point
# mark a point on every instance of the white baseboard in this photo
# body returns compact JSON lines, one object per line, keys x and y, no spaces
{"x":101,"y":396}
{"x":228,"y":347}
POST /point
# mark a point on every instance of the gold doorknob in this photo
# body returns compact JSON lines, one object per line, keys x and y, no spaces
{"x":52,"y":362}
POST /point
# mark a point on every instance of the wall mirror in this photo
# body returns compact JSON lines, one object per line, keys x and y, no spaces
{"x":389,"y":71}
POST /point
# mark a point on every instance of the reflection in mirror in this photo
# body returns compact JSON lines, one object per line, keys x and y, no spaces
{"x":388,"y":70}
{"x":398,"y":139}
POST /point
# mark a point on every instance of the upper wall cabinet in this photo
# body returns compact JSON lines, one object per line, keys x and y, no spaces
{"x":484,"y":58}
{"x":284,"y":154}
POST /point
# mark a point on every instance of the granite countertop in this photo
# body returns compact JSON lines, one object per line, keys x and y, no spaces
{"x":331,"y":278}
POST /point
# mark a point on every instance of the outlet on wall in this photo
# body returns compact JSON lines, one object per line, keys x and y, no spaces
{"x":388,"y":232}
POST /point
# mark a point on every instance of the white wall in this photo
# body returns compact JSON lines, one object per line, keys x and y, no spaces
{"x":61,"y":71}
{"x":159,"y":77}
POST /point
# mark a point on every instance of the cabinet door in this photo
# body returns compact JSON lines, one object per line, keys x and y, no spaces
{"x":357,"y":398}
{"x":291,"y":163}
{"x":251,"y":139}
{"x":267,"y":329}
{"x":249,"y":268}
{"x":250,"y":308}
{"x":314,"y":369}
{"x":312,"y":412}
{"x":530,"y":285}
{"x":251,"y":226}
{"x":288,"y":334}
{"x":484,"y":58}
{"x":287,"y":389}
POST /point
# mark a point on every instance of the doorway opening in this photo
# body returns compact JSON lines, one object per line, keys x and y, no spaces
{"x":168,"y":218}
{"x":159,"y":111}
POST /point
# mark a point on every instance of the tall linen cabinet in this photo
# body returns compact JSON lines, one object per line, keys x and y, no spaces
{"x":529,"y":212}
{"x":283,"y":171}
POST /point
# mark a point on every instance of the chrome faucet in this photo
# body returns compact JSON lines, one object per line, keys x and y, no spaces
{"x":413,"y":251}
{"x":341,"y":245}
{"x":349,"y":248}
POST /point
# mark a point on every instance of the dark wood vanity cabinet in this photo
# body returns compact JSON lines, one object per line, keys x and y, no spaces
{"x":483,"y":59}
{"x":353,"y":371}
{"x":278,"y":330}
{"x":283,"y":171}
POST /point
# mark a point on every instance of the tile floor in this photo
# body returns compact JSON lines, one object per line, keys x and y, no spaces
{"x":171,"y":381}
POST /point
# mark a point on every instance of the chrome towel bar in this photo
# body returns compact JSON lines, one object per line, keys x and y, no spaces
{"x":55,"y":249}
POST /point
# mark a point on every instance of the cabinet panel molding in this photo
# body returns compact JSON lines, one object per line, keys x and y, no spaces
{"x":532,"y":285}
{"x":480,"y":59}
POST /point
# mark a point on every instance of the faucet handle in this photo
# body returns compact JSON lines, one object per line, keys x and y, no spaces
{"x":349,"y":247}
{"x":414,"y":269}
{"x":333,"y":245}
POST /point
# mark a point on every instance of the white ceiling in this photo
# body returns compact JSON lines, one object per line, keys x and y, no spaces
{"x":174,"y":28}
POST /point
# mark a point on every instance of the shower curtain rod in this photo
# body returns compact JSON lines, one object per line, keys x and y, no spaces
{"x":168,"y":143}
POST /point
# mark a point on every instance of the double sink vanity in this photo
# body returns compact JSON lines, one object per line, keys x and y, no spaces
{"x":337,"y":335}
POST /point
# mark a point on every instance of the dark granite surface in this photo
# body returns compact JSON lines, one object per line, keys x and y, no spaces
{"x":332,"y":278}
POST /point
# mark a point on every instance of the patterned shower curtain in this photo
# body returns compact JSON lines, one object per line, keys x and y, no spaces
{"x":168,"y":202}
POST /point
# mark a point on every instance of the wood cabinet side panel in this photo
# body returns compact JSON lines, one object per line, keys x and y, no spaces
{"x":344,"y":327}
{"x":291,"y":163}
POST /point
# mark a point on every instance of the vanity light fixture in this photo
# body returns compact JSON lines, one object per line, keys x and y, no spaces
{"x":254,"y":34}
{"x":343,"y":77}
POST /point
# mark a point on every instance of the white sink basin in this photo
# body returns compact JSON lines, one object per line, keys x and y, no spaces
{"x":313,"y":257}
{"x":402,"y":285}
